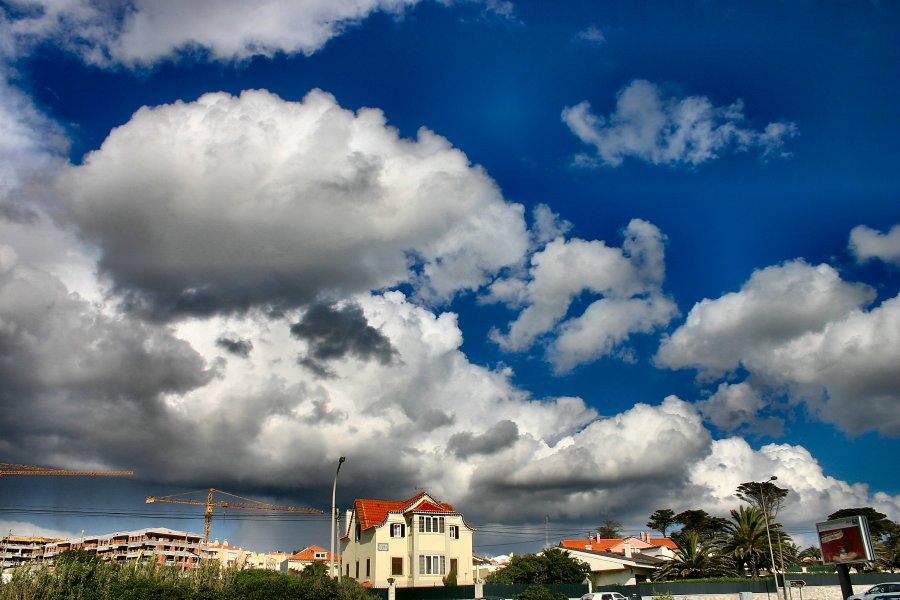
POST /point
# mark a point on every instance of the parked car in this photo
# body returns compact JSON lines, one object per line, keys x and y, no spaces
{"x":890,"y":587}
{"x":609,"y":596}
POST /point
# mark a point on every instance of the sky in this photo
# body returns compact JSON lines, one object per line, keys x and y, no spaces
{"x":553,"y":264}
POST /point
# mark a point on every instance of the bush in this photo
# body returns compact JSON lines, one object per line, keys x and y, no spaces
{"x":539,"y":592}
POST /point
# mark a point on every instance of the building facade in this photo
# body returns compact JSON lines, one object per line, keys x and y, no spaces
{"x":165,"y":546}
{"x":415,"y":542}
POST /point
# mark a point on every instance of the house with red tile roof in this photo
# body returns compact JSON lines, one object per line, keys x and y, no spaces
{"x":621,"y":561}
{"x":661,"y":547}
{"x":413,"y":542}
{"x":307,"y":556}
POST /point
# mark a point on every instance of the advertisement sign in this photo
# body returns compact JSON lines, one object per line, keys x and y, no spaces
{"x":845,"y":541}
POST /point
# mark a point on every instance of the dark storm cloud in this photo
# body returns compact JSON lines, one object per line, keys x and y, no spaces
{"x":234,"y":345}
{"x":500,"y":436}
{"x":334,"y":333}
{"x":78,"y":385}
{"x":315,"y":367}
{"x":15,"y":213}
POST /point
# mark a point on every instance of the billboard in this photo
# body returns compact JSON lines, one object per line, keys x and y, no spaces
{"x":845,"y":541}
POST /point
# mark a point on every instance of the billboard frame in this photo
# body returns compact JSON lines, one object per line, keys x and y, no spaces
{"x":845,"y":541}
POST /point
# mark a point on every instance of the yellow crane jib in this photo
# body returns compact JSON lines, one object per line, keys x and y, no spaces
{"x":15,"y":469}
{"x":244,"y":503}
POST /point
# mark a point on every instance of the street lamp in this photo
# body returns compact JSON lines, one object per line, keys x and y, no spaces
{"x":762,"y":501}
{"x":333,"y":495}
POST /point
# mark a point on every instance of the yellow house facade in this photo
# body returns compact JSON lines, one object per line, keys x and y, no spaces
{"x":414,"y":542}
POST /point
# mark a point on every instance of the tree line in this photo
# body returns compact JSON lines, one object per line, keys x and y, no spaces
{"x":709,"y":546}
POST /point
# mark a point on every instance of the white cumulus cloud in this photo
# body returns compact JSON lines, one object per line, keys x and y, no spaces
{"x":801,"y":328}
{"x":812,"y":494}
{"x":143,"y":32}
{"x":256,"y":200}
{"x":663,"y":130}
{"x":867,"y":243}
{"x":629,"y":279}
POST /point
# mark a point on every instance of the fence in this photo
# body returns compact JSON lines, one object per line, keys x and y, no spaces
{"x":464,"y":592}
{"x":757,"y":586}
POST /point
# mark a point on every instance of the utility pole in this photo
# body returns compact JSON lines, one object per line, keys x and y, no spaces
{"x":333,"y":496}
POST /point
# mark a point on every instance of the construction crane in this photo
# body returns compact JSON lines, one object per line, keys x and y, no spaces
{"x":248,"y":503}
{"x":13,"y":469}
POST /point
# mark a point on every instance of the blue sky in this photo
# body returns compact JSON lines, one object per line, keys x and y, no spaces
{"x":585,"y":261}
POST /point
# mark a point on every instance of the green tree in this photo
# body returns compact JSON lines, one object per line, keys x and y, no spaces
{"x":810,"y":555}
{"x":553,"y":565}
{"x":706,"y":526}
{"x":885,"y":536}
{"x":694,"y":559}
{"x":879,"y":524}
{"x":611,"y":529}
{"x":661,"y":520}
{"x":315,"y":569}
{"x":888,"y":549}
{"x":764,"y":495}
{"x":746,"y":540}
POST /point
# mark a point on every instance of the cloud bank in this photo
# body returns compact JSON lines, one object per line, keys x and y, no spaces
{"x":801,"y":328}
{"x":142,"y":32}
{"x":253,"y":200}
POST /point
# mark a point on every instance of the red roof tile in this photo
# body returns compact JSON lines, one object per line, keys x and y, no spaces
{"x":372,"y":513}
{"x":604,"y":544}
{"x":309,"y":553}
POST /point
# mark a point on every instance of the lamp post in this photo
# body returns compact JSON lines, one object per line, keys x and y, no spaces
{"x":333,"y":495}
{"x":762,"y":501}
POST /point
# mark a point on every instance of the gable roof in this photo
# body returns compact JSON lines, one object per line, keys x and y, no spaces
{"x":372,"y":513}
{"x":637,"y":558}
{"x":607,"y":544}
{"x":309,"y":553}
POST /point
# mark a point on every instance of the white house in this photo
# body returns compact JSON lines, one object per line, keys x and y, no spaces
{"x":614,"y":568}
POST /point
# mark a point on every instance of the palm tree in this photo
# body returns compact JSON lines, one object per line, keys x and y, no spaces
{"x":746,"y":540}
{"x":695,"y":559}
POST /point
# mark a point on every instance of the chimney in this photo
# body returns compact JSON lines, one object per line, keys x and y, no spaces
{"x":627,"y":549}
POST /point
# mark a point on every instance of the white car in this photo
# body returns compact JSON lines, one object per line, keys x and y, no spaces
{"x":604,"y":596}
{"x":890,"y":587}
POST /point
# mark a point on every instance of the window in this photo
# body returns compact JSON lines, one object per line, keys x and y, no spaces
{"x":357,"y":569}
{"x":368,"y":567}
{"x":398,"y":530}
{"x":397,"y":565}
{"x":454,"y":532}
{"x":320,"y":555}
{"x":453,"y":566}
{"x":431,"y":524}
{"x":432,"y":564}
{"x":348,"y":569}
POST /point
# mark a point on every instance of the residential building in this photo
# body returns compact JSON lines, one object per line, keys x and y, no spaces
{"x":17,"y":550}
{"x":167,"y":546}
{"x":485,"y":565}
{"x":228,"y":556}
{"x":661,"y":547}
{"x":307,"y":556}
{"x":414,"y":542}
{"x":616,"y":561}
{"x":271,"y":561}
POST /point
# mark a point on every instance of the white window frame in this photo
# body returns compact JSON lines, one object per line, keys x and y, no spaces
{"x":432,"y":564}
{"x":398,"y":530}
{"x":431,"y":524}
{"x":454,"y":531}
